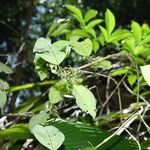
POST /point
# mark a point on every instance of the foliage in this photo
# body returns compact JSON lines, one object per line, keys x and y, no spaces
{"x":89,"y":41}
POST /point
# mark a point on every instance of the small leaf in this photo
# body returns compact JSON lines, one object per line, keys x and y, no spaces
{"x":139,"y":50}
{"x":3,"y":85}
{"x":105,"y":64}
{"x":57,"y":91}
{"x":91,"y":13}
{"x":120,"y":71}
{"x":4,"y":68}
{"x":54,"y":95}
{"x":48,"y":136}
{"x":3,"y":98}
{"x":85,"y":99}
{"x":52,"y":28}
{"x":62,"y":29}
{"x":42,"y":45}
{"x":92,"y":32}
{"x":76,"y":11}
{"x":79,"y":32}
{"x":38,"y":119}
{"x":104,"y":33}
{"x":110,"y":21}
{"x":132,"y":79}
{"x":40,"y":66}
{"x":95,"y":45}
{"x":137,"y":30}
{"x":93,"y":23}
{"x":83,"y":48}
{"x":118,"y":35}
{"x":146,"y":73}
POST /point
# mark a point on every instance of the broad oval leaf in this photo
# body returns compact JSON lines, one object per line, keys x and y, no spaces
{"x":85,"y":99}
{"x":49,"y":136}
{"x":110,"y":21}
{"x":53,"y":57}
{"x":4,"y":68}
{"x":60,"y":45}
{"x":91,"y":13}
{"x":137,"y":31}
{"x":38,"y":119}
{"x":3,"y":98}
{"x":146,"y":73}
{"x":54,"y":95}
{"x":42,"y":45}
{"x":83,"y":48}
{"x":57,"y":91}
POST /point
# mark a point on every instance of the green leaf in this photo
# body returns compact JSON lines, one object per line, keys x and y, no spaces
{"x":95,"y":45}
{"x":137,"y":30}
{"x":129,"y":45}
{"x":110,"y":21}
{"x":40,"y":66}
{"x":104,"y":33}
{"x":38,"y":119}
{"x":52,"y":28}
{"x":101,"y":39}
{"x":54,"y":95}
{"x":79,"y":136}
{"x":83,"y":48}
{"x":105,"y":64}
{"x":50,"y":53}
{"x":17,"y":132}
{"x":3,"y":98}
{"x":57,"y":91}
{"x":132,"y":79}
{"x":76,"y":12}
{"x":79,"y":32}
{"x":118,"y":35}
{"x":91,"y":13}
{"x":60,"y":45}
{"x":145,"y":40}
{"x":3,"y":85}
{"x":92,"y":32}
{"x":120,"y":71}
{"x":139,"y":50}
{"x":146,"y":73}
{"x":42,"y":45}
{"x":48,"y":136}
{"x":93,"y":23}
{"x":4,"y":68}
{"x":85,"y":99}
{"x":62,"y":29}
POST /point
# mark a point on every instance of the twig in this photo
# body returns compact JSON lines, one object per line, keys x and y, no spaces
{"x":124,"y":125}
{"x":107,"y":57}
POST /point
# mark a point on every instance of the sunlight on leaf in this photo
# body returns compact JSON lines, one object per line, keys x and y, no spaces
{"x":146,"y":73}
{"x":85,"y":99}
{"x":49,"y":136}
